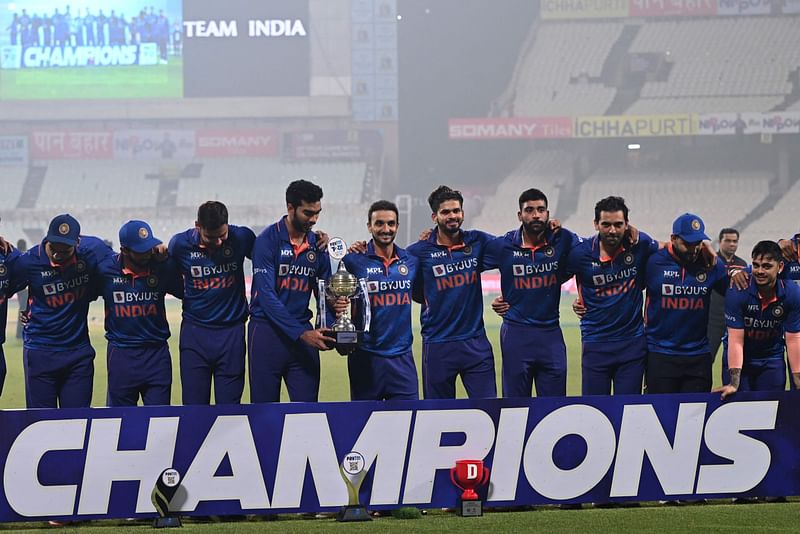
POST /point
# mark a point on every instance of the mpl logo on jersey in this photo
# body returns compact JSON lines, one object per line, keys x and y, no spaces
{"x":283,"y":458}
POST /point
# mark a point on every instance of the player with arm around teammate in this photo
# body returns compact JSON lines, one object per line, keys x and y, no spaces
{"x":134,"y":284}
{"x":382,"y":367}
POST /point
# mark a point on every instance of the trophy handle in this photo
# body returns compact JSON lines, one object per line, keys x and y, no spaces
{"x":453,"y":479}
{"x":366,"y":310}
{"x":322,"y":310}
{"x":485,"y":478}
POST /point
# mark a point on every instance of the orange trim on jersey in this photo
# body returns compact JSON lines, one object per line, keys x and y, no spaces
{"x":646,"y":305}
{"x":71,"y":261}
{"x":607,"y":259}
{"x":765,"y":304}
{"x":302,"y":247}
{"x":134,"y":274}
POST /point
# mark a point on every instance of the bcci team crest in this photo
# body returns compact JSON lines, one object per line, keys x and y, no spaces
{"x":152,"y":281}
{"x":628,"y":258}
{"x":311,"y":256}
{"x":548,"y":251}
{"x":402,"y":269}
{"x":143,"y":233}
{"x":227,"y":252}
{"x":80,"y":266}
{"x":777,"y":311}
{"x":467,"y":250}
{"x":702,"y":277}
{"x":63,"y":229}
{"x":695,"y":224}
{"x":3,"y":270}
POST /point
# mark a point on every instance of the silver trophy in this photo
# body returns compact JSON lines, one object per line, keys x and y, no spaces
{"x":343,"y":283}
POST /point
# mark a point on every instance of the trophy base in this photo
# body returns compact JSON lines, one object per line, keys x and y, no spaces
{"x":470,"y":508}
{"x":346,"y":341}
{"x":351,"y":513}
{"x":167,"y":522}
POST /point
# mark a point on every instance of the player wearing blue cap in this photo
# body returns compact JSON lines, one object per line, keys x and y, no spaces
{"x":59,"y":273}
{"x":382,"y":367}
{"x":763,"y":321}
{"x":679,"y":287}
{"x":609,"y":271}
{"x":532,"y":264}
{"x":133,"y":285}
{"x":453,"y":334}
{"x":286,"y":267}
{"x":210,"y":257}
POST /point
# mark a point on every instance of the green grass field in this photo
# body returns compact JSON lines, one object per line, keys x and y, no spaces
{"x":719,"y":516}
{"x":126,"y":82}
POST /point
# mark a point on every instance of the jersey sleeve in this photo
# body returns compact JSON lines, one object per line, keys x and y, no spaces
{"x":264,"y":290}
{"x":248,"y":240}
{"x":492,"y":253}
{"x":722,"y":277}
{"x":173,"y":278}
{"x":734,"y":308}
{"x":792,"y":322}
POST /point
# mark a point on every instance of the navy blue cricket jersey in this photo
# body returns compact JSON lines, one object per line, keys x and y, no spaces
{"x":134,"y":302}
{"x":6,"y":260}
{"x":58,"y":297}
{"x":611,"y":288}
{"x":213,"y":278}
{"x":763,"y":322}
{"x":678,"y":299}
{"x":453,"y":307}
{"x":791,"y":269}
{"x":284,"y":276}
{"x":531,"y":278}
{"x":390,"y":286}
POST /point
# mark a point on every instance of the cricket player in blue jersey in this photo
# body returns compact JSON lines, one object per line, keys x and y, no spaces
{"x":382,"y":367}
{"x":453,"y":335}
{"x":286,"y":267}
{"x":763,"y":321}
{"x":133,"y":285}
{"x":210,"y":258}
{"x":532,"y":264}
{"x":57,"y":357}
{"x":791,"y":267}
{"x":679,"y":288}
{"x":609,"y":271}
{"x":7,"y":258}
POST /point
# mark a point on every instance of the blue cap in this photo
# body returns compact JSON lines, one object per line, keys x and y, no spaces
{"x":137,"y":236}
{"x":64,"y":229}
{"x":690,"y":228}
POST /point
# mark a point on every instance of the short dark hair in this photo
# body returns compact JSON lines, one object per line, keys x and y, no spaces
{"x":212,"y":214}
{"x":728,"y":231}
{"x":767,"y":249}
{"x":611,"y":204}
{"x":531,"y":194}
{"x":382,"y":205}
{"x":301,"y":191}
{"x":443,"y":194}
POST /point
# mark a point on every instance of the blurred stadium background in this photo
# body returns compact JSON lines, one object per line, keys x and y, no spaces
{"x":676,"y":105}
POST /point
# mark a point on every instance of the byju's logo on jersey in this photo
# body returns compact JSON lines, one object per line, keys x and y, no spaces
{"x":49,"y":289}
{"x":599,"y":280}
{"x":518,"y":270}
{"x":197,"y":271}
{"x":119,"y":297}
{"x":373,"y":287}
{"x":667,"y":289}
{"x":283,"y":269}
{"x":439,"y":270}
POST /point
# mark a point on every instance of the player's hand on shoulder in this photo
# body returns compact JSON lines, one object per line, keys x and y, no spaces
{"x":425,"y":234}
{"x":317,"y":339}
{"x":322,"y":239}
{"x":740,"y":278}
{"x":500,"y":306}
{"x":632,"y":234}
{"x":358,"y":247}
{"x":160,"y":252}
{"x":707,"y":256}
{"x":5,"y":246}
{"x":578,"y":308}
{"x":788,"y":249}
{"x":555,"y":225}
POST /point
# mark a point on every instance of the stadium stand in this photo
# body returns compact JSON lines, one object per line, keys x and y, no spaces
{"x":656,"y":198}
{"x":13,"y":182}
{"x":780,"y":222}
{"x":558,"y":74}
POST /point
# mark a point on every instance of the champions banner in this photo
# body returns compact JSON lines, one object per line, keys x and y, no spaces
{"x":268,"y":458}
